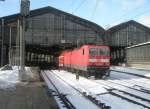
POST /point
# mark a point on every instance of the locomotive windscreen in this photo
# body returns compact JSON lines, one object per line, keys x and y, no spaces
{"x":99,"y":51}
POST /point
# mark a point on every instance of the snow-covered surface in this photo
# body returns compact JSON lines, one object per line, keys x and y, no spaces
{"x":98,"y":89}
{"x":9,"y":78}
{"x":132,"y":70}
{"x":117,"y":103}
{"x":126,"y":89}
{"x":83,"y":84}
{"x":129,"y":79}
{"x":72,"y":95}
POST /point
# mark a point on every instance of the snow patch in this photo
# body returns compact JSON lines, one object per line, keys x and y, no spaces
{"x":132,"y":70}
{"x":8,"y":79}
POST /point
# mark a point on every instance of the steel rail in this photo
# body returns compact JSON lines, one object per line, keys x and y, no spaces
{"x":143,"y":91}
{"x":142,"y":76}
{"x":133,"y":101}
{"x":134,"y":81}
{"x":130,"y":100}
{"x":89,"y":97}
{"x":66,"y":102}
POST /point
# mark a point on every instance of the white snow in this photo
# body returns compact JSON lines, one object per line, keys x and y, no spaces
{"x":8,"y":79}
{"x":72,"y":95}
{"x":132,"y":70}
{"x":9,"y":76}
{"x":118,"y":103}
{"x":126,"y":89}
{"x":130,"y":80}
{"x":97,"y":89}
{"x":82,"y":84}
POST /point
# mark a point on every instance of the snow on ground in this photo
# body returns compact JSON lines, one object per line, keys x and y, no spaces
{"x":117,"y":103}
{"x":8,"y":78}
{"x":130,"y":80}
{"x":72,"y":95}
{"x":92,"y":87}
{"x":126,"y":89}
{"x":83,"y":84}
{"x":132,"y":70}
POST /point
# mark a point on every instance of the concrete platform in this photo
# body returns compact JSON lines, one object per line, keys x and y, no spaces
{"x":31,"y":96}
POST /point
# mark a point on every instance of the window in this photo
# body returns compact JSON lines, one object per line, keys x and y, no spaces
{"x":99,"y":51}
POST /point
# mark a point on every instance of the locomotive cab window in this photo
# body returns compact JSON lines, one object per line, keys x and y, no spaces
{"x":99,"y":51}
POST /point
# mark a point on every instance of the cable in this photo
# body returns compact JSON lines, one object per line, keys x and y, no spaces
{"x":144,"y":12}
{"x":81,"y":3}
{"x":119,"y":19}
{"x":71,"y":4}
{"x":95,"y":7}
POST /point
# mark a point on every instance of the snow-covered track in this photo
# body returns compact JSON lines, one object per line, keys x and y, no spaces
{"x":129,"y":95}
{"x":56,"y":92}
{"x":68,"y":93}
{"x":109,"y":93}
{"x":129,"y":73}
{"x":126,"y":84}
{"x":141,"y":84}
{"x":89,"y":97}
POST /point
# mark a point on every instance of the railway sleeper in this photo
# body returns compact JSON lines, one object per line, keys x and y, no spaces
{"x":142,"y":76}
{"x":138,"y":97}
{"x":66,"y":102}
{"x":97,"y":102}
{"x":61,"y":96}
{"x":135,"y":102}
{"x":89,"y":97}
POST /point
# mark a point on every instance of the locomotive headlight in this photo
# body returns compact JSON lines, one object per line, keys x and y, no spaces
{"x":104,"y":60}
{"x":92,"y":60}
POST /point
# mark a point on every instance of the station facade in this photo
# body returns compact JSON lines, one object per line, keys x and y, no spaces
{"x":124,"y":35}
{"x":47,"y":32}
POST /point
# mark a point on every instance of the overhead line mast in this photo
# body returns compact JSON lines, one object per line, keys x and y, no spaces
{"x":24,"y":12}
{"x":2,"y":29}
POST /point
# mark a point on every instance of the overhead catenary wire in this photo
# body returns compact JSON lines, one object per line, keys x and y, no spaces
{"x":71,"y":4}
{"x":142,"y":13}
{"x":81,"y":3}
{"x":135,"y":16}
{"x":95,"y":7}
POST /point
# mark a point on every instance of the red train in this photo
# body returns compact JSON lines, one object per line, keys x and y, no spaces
{"x":88,"y":60}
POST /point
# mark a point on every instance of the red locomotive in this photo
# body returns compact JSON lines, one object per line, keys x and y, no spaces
{"x":88,"y":60}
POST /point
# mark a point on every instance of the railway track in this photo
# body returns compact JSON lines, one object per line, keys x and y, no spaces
{"x":89,"y":97}
{"x":142,"y":76}
{"x":127,"y":95}
{"x":132,"y":85}
{"x":67,"y":103}
{"x":138,"y":83}
{"x":130,"y":97}
{"x":55,"y":92}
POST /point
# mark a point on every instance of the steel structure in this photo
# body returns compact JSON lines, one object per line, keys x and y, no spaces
{"x":47,"y":31}
{"x":124,"y":35}
{"x":139,"y":55}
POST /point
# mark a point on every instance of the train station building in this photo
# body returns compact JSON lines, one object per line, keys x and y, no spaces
{"x":124,"y":35}
{"x":47,"y":32}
